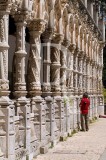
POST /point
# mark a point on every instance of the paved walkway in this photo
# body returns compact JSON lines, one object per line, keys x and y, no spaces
{"x":82,"y":146}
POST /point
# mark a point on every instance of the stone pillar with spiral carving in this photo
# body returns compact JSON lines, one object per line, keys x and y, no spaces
{"x":36,"y":27}
{"x":55,"y":63}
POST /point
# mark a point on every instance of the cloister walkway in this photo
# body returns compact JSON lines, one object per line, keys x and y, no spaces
{"x":81,"y":146}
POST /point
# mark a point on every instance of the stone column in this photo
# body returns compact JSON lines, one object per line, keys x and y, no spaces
{"x":63,"y":55}
{"x":75,"y":67}
{"x":70,"y":70}
{"x":46,"y":39}
{"x":4,"y":83}
{"x":7,"y":134}
{"x":93,"y":77}
{"x":87,"y":75}
{"x":84,"y":74}
{"x":80,"y":61}
{"x":55,"y":64}
{"x":20,"y":84}
{"x":19,"y":57}
{"x":36,"y":27}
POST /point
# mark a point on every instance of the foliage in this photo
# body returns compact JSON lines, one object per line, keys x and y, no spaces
{"x":104,"y":94}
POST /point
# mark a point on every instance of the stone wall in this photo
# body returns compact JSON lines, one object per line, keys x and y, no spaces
{"x":63,"y":58}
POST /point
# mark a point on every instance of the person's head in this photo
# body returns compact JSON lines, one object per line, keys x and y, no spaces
{"x":85,"y":95}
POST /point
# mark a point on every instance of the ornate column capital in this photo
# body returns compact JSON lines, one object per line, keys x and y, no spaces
{"x":66,"y":43}
{"x":5,"y":5}
{"x":72,"y":48}
{"x":47,"y":35}
{"x":57,"y":38}
{"x":37,"y":26}
{"x":81,"y":53}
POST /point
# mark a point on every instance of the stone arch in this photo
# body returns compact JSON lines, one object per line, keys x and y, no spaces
{"x":65,"y":23}
{"x":38,"y":9}
{"x":57,"y":16}
{"x":82,"y":38}
{"x":89,"y":45}
{"x":92,"y":46}
{"x":71,"y":28}
{"x":49,"y":12}
{"x":95,"y":50}
{"x":85,"y":40}
{"x":77,"y":30}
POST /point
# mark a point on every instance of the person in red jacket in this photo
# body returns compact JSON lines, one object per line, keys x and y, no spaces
{"x":84,"y":109}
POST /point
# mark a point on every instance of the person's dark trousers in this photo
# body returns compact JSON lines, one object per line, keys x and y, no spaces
{"x":84,"y":122}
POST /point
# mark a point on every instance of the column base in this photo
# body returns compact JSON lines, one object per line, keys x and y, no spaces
{"x":63,"y":137}
{"x":56,"y":94}
{"x":20,"y":93}
{"x":46,"y":94}
{"x":35,"y":93}
{"x":43,"y":149}
{"x":4,"y":93}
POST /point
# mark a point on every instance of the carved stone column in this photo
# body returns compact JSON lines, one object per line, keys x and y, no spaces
{"x":7,"y":134}
{"x":70,"y":69}
{"x":36,"y":27}
{"x":46,"y":39}
{"x":63,"y":55}
{"x":19,"y":57}
{"x":4,"y":83}
{"x":84,"y":74}
{"x":80,"y":61}
{"x":55,"y":63}
{"x":88,"y":76}
{"x":75,"y":67}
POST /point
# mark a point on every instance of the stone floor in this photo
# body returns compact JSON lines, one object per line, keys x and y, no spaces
{"x":81,"y":146}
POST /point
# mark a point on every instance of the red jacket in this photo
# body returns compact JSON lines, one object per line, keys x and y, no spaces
{"x":84,"y":105}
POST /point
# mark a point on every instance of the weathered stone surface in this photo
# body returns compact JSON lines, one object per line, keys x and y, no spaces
{"x":56,"y":54}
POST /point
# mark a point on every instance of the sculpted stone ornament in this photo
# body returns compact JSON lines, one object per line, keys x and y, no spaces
{"x":7,"y":5}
